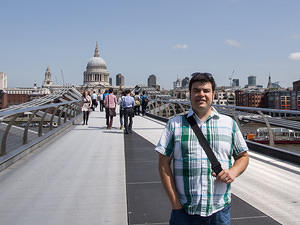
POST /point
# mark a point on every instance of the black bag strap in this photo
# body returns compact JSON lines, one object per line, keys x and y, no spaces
{"x":215,"y":164}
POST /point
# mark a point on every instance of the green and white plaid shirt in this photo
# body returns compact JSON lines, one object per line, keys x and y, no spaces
{"x":197,"y":189}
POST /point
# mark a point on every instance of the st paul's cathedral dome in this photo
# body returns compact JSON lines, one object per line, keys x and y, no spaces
{"x":96,"y":73}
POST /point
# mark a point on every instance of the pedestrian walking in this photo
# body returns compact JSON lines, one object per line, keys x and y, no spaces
{"x":198,"y":192}
{"x":110,"y":103}
{"x":137,"y":104}
{"x":101,"y":102}
{"x":86,"y":106}
{"x":128,"y":105}
{"x":144,"y":102}
{"x":121,"y":109}
{"x":94,"y":101}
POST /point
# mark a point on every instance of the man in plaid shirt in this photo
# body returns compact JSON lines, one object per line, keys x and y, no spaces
{"x":196,"y":194}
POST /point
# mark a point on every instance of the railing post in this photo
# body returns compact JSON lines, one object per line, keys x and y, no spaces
{"x":25,"y":134}
{"x":181,"y":107}
{"x":52,"y":117}
{"x":41,"y":122}
{"x":66,"y":113}
{"x":236,"y":118}
{"x":70,"y":112}
{"x":5,"y":135}
{"x":271,"y":136}
{"x":60,"y":114}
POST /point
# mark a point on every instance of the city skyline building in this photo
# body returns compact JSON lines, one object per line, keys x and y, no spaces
{"x":251,"y":81}
{"x":120,"y":80}
{"x":3,"y":80}
{"x":152,"y":81}
{"x":48,"y":78}
{"x":235,"y":82}
{"x":296,"y":85}
{"x":177,"y":84}
{"x":96,"y":73}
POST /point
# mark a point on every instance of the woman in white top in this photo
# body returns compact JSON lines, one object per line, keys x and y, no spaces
{"x":86,"y":106}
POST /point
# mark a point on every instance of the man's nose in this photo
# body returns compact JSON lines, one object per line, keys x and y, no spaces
{"x":201,"y":93}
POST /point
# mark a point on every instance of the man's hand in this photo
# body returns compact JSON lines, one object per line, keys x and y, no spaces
{"x":240,"y":164}
{"x":177,"y":206}
{"x":225,"y":176}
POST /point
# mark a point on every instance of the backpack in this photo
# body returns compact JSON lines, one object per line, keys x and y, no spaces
{"x":145,"y":100}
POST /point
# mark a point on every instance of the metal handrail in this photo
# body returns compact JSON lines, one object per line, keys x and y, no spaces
{"x":4,"y":114}
{"x":252,"y":109}
{"x":65,"y":107}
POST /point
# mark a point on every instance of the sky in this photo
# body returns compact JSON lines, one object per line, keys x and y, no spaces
{"x":168,"y":38}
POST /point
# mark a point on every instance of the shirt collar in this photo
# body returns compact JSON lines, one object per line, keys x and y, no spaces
{"x":214,"y":113}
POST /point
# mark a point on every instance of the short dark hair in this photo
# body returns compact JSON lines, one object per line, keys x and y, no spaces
{"x":202,"y":78}
{"x":127,"y":91}
{"x":110,"y":90}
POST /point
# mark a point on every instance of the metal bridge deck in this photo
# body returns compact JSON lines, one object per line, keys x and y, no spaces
{"x":92,"y":175}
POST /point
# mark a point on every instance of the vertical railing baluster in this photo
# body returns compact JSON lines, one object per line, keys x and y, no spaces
{"x":5,"y":135}
{"x":52,"y":117}
{"x":41,"y":122}
{"x":25,"y":133}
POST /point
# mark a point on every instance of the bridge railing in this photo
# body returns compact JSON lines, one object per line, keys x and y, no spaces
{"x":163,"y":109}
{"x":27,"y":126}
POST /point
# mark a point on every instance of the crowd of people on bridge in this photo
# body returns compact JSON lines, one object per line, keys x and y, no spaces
{"x":130,"y":104}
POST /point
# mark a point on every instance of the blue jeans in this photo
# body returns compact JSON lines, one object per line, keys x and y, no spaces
{"x":180,"y":217}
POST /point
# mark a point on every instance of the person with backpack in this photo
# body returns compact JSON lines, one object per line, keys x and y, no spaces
{"x":144,"y":102}
{"x":121,"y":112}
{"x":128,"y":106}
{"x":110,"y":103}
{"x":198,"y":190}
{"x":101,"y":102}
{"x":137,"y":100}
{"x":94,"y":101}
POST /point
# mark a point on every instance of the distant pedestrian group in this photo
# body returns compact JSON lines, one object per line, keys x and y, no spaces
{"x":129,"y":106}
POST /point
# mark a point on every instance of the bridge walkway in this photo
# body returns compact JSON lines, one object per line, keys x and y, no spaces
{"x":92,"y":175}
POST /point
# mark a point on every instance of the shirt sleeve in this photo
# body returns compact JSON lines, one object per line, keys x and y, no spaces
{"x":239,"y":143}
{"x":165,"y":145}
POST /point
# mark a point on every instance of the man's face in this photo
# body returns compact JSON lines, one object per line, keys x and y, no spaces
{"x":202,"y":96}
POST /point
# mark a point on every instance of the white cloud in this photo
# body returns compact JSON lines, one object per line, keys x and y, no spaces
{"x":233,"y":43}
{"x":180,"y":46}
{"x":294,"y":56}
{"x":295,"y":36}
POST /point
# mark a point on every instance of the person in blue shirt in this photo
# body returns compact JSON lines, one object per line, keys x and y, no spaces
{"x":144,"y":103}
{"x":128,"y":106}
{"x":104,"y":95}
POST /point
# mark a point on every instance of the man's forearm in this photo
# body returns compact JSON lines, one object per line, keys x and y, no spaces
{"x":167,"y":179}
{"x":240,"y":164}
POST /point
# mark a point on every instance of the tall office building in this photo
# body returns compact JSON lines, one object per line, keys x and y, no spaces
{"x":235,"y":82}
{"x":3,"y":80}
{"x":48,"y":80}
{"x":120,"y":80}
{"x":296,"y":86}
{"x":152,"y":81}
{"x":251,"y":81}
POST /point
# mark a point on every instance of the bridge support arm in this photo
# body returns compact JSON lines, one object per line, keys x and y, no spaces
{"x":25,"y":134}
{"x":271,"y":136}
{"x":5,"y":135}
